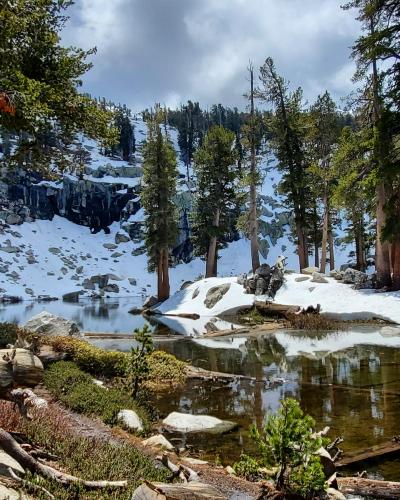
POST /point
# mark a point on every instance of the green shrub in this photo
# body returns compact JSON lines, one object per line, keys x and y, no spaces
{"x":9,"y":333}
{"x":247,"y":467}
{"x":137,"y":365}
{"x":92,"y":459}
{"x":77,"y":390}
{"x":166,"y":367}
{"x":90,"y":358}
{"x":289,"y":443}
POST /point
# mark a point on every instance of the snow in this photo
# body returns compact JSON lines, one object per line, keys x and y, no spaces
{"x":339,"y":300}
{"x":182,"y":302}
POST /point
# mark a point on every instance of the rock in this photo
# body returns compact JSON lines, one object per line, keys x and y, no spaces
{"x":158,"y":441}
{"x":194,"y":461}
{"x":71,"y":296}
{"x":64,"y":270}
{"x":14,"y":219}
{"x":114,"y":277}
{"x":185,"y":284}
{"x":136,"y":310}
{"x":150,"y":302}
{"x":29,"y":291}
{"x":195,"y":293}
{"x":88,"y":285}
{"x":45,"y":323}
{"x":184,"y":422}
{"x":327,"y":462}
{"x":264,"y":270}
{"x":25,"y":368}
{"x":54,"y":250}
{"x":319,"y":278}
{"x":121,"y":238}
{"x":354,"y":277}
{"x":11,"y":494}
{"x":193,"y":490}
{"x":132,"y":281}
{"x":215,"y":294}
{"x":230,"y":470}
{"x":100,"y":279}
{"x":130,"y":419}
{"x":111,"y":287}
{"x":110,"y":246}
{"x":333,"y":494}
{"x":299,"y":279}
{"x":79,"y":270}
{"x":10,"y":249}
{"x":349,"y":265}
{"x":115,"y":255}
{"x":310,"y":270}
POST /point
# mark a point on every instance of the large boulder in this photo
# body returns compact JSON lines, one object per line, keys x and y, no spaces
{"x":46,"y":323}
{"x":19,"y":367}
{"x":158,"y":441}
{"x":319,"y":278}
{"x":354,"y":277}
{"x":186,"y":423}
{"x":72,"y":296}
{"x":215,"y":294}
{"x":130,"y":419}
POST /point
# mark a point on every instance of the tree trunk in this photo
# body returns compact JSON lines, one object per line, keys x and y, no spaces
{"x":316,"y":246}
{"x":253,"y":222}
{"x":382,"y":254}
{"x":212,"y":249}
{"x":331,"y":245}
{"x":324,"y":233}
{"x":302,"y":245}
{"x":163,"y":287}
{"x":396,"y":264}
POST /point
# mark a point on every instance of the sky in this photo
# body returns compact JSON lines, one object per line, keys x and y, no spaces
{"x":169,"y":51}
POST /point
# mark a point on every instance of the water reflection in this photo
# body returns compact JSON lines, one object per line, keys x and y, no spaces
{"x":354,"y":389}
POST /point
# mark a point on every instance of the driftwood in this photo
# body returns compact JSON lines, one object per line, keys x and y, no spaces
{"x":12,"y":448}
{"x":195,"y":372}
{"x":273,"y":309}
{"x":379,"y":451}
{"x":369,"y":487}
{"x":188,"y":491}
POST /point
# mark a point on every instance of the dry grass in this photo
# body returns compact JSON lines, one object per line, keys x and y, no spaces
{"x":313,"y":322}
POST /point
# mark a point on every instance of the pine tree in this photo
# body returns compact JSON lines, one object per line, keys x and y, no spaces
{"x":159,"y":187}
{"x":39,"y":82}
{"x":287,"y":141}
{"x":216,"y":172}
{"x":323,"y":133}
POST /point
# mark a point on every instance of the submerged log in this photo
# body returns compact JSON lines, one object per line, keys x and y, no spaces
{"x":379,"y":451}
{"x":369,"y":487}
{"x":194,"y":372}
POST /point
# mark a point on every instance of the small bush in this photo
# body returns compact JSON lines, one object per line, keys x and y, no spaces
{"x":90,"y":358}
{"x":94,"y":458}
{"x":77,"y":390}
{"x":247,"y":467}
{"x":9,"y":333}
{"x":313,"y":322}
{"x":166,"y":367}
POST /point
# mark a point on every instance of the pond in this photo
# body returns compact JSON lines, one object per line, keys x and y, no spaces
{"x":347,"y":380}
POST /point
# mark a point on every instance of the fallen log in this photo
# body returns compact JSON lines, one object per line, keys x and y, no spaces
{"x":12,"y":448}
{"x":194,"y":372}
{"x":378,"y":451}
{"x":189,"y":491}
{"x":273,"y":309}
{"x":369,"y":487}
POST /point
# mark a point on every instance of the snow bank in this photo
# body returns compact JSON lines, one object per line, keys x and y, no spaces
{"x":183,"y":302}
{"x":340,"y":301}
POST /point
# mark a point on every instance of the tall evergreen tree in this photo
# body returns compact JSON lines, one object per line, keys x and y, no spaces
{"x":159,"y":187}
{"x":323,"y":134}
{"x":39,"y":81}
{"x":287,"y":141}
{"x":216,"y":172}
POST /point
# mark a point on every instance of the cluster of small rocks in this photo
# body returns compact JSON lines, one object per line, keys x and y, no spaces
{"x":345,"y":274}
{"x":265,"y":281}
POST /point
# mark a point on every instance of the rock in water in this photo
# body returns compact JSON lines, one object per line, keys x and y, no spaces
{"x":215,"y":294}
{"x":45,"y":323}
{"x":130,"y":419}
{"x":165,"y":491}
{"x":183,"y":422}
{"x":71,"y":296}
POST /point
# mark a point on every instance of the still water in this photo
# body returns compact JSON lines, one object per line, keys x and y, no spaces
{"x":348,"y":380}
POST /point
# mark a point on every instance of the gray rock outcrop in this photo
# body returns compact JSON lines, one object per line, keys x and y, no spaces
{"x":215,"y":294}
{"x":46,"y":323}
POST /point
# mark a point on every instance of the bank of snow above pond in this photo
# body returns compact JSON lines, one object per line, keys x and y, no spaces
{"x":337,"y":300}
{"x":227,"y":294}
{"x":340,"y":301}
